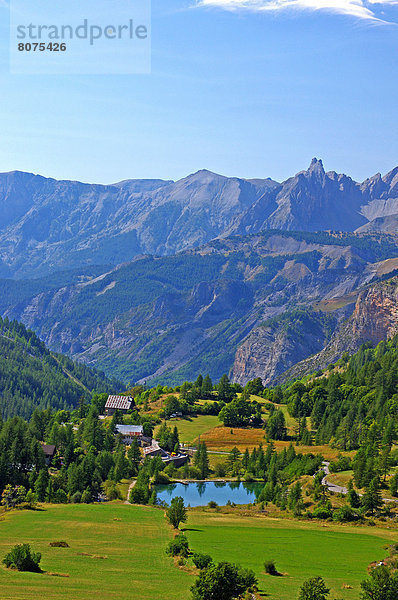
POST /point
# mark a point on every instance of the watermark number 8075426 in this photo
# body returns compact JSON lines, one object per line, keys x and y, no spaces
{"x":75,"y":37}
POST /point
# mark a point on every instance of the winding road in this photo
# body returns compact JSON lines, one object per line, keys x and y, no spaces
{"x":337,"y":489}
{"x":332,"y":487}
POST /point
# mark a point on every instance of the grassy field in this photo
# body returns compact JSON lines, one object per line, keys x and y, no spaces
{"x":222,"y":438}
{"x":133,"y":540}
{"x":340,"y":554}
{"x":291,"y":422}
{"x":190,"y":428}
{"x":118,"y":552}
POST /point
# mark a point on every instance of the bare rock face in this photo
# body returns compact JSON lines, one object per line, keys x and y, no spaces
{"x":273,"y":348}
{"x":374,"y":319}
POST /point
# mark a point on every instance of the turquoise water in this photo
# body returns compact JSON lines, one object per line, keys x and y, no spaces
{"x":200,"y":494}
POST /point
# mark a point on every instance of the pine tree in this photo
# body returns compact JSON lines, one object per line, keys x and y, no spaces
{"x":372,"y":499}
{"x":175,"y":441}
{"x":201,"y":460}
{"x":207,"y":388}
{"x":225,"y":391}
{"x":41,"y":485}
{"x":134,"y":456}
{"x":353,"y":497}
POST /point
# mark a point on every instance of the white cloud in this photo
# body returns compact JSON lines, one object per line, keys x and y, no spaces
{"x":362,"y":9}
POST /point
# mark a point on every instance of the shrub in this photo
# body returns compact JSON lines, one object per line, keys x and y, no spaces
{"x":31,"y":499}
{"x":194,"y":473}
{"x":178,"y":547}
{"x":322,"y":512}
{"x":201,"y":561}
{"x":86,"y":497}
{"x":22,"y":558}
{"x":76,"y":498}
{"x":220,"y":470}
{"x":161,"y":478}
{"x":212,"y":504}
{"x":111,"y":490}
{"x":224,"y":581}
{"x":61,"y":496}
{"x":345,"y":514}
{"x":270,"y":568}
{"x":313,"y":588}
{"x":59,"y":544}
{"x":170,"y":470}
{"x":13,"y":496}
{"x":139,"y":494}
{"x":343,"y":463}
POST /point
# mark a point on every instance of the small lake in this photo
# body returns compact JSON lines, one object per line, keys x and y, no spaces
{"x":200,"y":494}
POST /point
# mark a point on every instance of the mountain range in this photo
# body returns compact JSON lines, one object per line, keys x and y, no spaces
{"x":153,"y":280}
{"x":48,"y":225}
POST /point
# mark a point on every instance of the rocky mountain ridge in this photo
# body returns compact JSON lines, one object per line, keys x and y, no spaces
{"x":48,"y":225}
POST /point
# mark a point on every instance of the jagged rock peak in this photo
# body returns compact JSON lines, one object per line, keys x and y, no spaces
{"x":316,"y":166}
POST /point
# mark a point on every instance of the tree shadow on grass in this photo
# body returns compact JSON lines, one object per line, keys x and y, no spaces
{"x":188,"y":529}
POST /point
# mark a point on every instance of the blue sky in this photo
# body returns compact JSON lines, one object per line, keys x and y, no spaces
{"x":253,"y":88}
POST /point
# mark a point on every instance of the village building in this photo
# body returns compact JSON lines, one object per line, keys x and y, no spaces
{"x":155,"y":450}
{"x":130,"y":433}
{"x":120,"y":403}
{"x":49,"y":453}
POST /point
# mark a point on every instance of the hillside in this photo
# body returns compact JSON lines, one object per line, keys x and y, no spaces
{"x":32,"y":377}
{"x":347,"y":400}
{"x":49,"y":225}
{"x":374,"y":319}
{"x":243,"y":301}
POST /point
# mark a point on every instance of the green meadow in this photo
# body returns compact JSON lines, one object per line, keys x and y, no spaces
{"x":190,"y":428}
{"x":117,"y":551}
{"x":300,"y":550}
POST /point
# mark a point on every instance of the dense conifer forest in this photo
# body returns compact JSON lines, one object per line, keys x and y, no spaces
{"x":33,"y":377}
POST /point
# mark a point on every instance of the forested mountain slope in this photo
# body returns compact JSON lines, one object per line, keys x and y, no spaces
{"x":167,"y":319}
{"x":32,"y":377}
{"x":353,"y":403}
